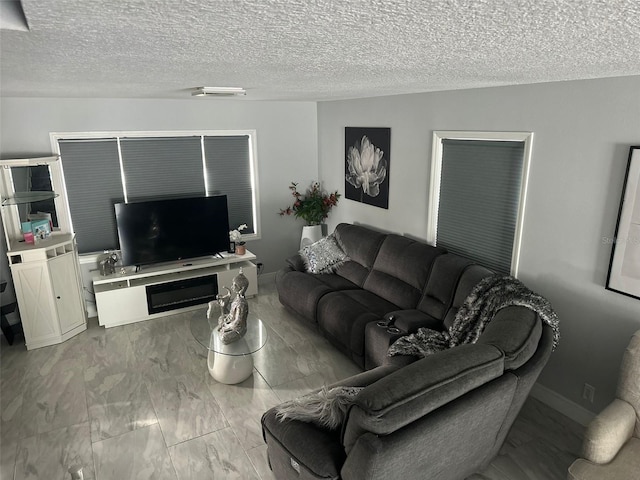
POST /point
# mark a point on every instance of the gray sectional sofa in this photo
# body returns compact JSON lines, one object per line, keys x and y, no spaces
{"x":444,"y":416}
{"x":386,"y":276}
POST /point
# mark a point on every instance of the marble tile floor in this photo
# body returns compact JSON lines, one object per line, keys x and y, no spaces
{"x":137,"y":402}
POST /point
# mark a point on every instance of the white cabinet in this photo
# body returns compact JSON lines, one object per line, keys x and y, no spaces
{"x":158,"y":291}
{"x":45,"y":275}
{"x":46,"y":281}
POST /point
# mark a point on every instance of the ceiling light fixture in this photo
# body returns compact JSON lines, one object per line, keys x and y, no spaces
{"x":218,"y":91}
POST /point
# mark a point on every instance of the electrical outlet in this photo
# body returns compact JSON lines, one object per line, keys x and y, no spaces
{"x":588,"y":392}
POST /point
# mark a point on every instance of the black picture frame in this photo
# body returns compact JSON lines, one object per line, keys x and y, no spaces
{"x":366,"y":143}
{"x":624,"y":267}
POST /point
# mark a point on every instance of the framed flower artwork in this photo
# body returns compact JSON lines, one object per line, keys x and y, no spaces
{"x":367,"y":159}
{"x":624,"y":269}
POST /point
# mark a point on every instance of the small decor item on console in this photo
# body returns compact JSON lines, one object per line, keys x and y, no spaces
{"x":235,"y":237}
{"x":107,"y":263}
{"x":232,"y":322}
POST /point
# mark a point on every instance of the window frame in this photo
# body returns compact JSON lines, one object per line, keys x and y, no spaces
{"x":55,"y":137}
{"x":436,"y":177}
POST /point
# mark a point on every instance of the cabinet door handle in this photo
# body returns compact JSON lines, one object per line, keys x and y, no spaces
{"x":58,"y":298}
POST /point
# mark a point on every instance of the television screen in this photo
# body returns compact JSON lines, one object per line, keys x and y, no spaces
{"x":172,"y":229}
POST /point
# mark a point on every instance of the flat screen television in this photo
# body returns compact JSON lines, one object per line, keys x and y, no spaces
{"x":172,"y":229}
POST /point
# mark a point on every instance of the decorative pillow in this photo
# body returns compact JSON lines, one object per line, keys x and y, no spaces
{"x":326,"y":408}
{"x":323,"y":256}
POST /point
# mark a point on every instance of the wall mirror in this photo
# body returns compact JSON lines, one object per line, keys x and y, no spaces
{"x":32,"y":186}
{"x":33,"y":192}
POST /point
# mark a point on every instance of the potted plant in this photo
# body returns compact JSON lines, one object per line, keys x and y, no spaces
{"x":236,"y":238}
{"x":313,"y":207}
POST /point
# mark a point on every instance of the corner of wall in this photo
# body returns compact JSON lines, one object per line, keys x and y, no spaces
{"x":563,"y":405}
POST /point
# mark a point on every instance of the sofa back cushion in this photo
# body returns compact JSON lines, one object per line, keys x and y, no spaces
{"x":361,"y":244}
{"x":440,"y":289}
{"x":401,"y":269}
{"x":470,"y":277}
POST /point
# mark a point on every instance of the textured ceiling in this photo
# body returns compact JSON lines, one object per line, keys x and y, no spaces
{"x":312,"y":50}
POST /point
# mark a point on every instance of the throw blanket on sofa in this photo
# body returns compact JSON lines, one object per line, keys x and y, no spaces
{"x":488,"y":297}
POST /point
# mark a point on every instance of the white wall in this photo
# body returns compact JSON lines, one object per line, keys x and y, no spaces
{"x":583,"y":130}
{"x":286,"y":135}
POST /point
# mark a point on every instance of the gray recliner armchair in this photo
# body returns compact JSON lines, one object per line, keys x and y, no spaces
{"x":444,"y":416}
{"x":611,"y":448}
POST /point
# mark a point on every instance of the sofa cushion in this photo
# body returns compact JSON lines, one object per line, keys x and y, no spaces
{"x":301,"y":292}
{"x":440,"y":289}
{"x":342,"y":316}
{"x":401,"y":269}
{"x":336,"y":282}
{"x":361,"y":245}
{"x":470,"y":277}
{"x":353,"y":272}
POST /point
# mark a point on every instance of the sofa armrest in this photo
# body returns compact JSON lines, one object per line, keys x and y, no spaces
{"x":608,"y":432}
{"x":296,"y":262}
{"x":419,"y":388}
{"x":366,"y":378}
{"x":411,"y":320}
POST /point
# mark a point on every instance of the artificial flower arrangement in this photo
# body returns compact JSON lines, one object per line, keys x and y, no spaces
{"x":235,"y":236}
{"x":314,"y":206}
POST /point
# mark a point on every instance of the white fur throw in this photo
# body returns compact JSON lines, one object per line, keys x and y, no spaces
{"x":489,"y":296}
{"x":326,"y":408}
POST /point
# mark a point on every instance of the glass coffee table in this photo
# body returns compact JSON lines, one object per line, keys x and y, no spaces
{"x":230,"y":363}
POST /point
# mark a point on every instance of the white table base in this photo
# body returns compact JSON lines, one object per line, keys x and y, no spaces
{"x":229,"y":369}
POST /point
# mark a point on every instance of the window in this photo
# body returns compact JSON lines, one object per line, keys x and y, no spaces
{"x":103,"y":169}
{"x":478,"y":191}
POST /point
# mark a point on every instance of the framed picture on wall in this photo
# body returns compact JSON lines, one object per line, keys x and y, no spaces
{"x":367,"y":158}
{"x":624,"y":268}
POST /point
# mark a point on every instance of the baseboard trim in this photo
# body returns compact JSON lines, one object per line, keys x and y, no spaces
{"x":562,"y":404}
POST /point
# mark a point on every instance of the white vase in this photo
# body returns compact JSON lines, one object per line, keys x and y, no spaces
{"x":310,"y":234}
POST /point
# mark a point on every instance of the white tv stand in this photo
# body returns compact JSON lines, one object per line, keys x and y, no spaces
{"x":161,"y":290}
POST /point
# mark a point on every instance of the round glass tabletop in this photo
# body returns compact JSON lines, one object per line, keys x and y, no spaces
{"x":205,"y":331}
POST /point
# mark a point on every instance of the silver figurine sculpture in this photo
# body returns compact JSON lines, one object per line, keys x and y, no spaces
{"x":232,"y":322}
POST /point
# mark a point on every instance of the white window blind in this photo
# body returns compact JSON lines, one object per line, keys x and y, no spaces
{"x":478,"y":208}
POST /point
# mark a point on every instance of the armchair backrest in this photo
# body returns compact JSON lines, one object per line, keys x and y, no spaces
{"x":629,"y":380}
